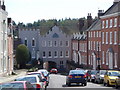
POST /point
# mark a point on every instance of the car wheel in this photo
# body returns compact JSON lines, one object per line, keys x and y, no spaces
{"x":116,"y":85}
{"x":68,"y":84}
{"x":85,"y":84}
{"x":104,"y":83}
{"x":108,"y":83}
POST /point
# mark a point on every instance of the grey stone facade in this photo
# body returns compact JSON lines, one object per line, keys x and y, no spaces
{"x":54,"y":46}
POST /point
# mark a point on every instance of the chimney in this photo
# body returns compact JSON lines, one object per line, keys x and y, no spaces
{"x":89,"y":20}
{"x":100,"y":13}
{"x":9,"y":21}
{"x":116,"y":1}
{"x":3,"y":6}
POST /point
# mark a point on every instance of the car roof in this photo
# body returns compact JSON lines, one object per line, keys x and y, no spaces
{"x":14,"y":82}
{"x":42,"y":70}
{"x":113,"y":71}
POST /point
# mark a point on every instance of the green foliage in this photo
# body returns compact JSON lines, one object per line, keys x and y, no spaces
{"x":22,"y":55}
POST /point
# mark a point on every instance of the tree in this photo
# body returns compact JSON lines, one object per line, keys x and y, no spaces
{"x":22,"y":55}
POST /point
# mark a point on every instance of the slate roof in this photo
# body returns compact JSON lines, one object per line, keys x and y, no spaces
{"x":97,"y":24}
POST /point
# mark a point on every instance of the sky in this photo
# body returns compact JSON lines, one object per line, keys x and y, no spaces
{"x":28,"y":11}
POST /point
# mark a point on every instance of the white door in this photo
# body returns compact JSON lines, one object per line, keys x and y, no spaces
{"x":94,"y":62}
{"x":110,"y":60}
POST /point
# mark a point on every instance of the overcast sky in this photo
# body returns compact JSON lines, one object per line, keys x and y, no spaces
{"x":31,"y":10}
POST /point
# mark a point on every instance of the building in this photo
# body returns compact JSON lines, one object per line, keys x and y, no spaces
{"x":54,"y":47}
{"x":110,"y":28}
{"x":79,"y":50}
{"x":6,"y":66}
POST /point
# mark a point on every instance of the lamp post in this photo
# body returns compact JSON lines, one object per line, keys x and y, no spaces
{"x":98,"y":58}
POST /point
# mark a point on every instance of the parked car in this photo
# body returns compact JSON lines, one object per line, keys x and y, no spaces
{"x":22,"y":85}
{"x":76,"y":76}
{"x":41,"y":76}
{"x":34,"y":80}
{"x":110,"y":77}
{"x":54,"y":70}
{"x":117,"y":82}
{"x":99,"y":77}
{"x":92,"y":75}
{"x":46,"y":74}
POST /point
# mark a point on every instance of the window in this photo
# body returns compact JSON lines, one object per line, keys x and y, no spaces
{"x":102,"y":37}
{"x":115,"y":56}
{"x":106,"y":58}
{"x":94,"y":34}
{"x":26,"y":42}
{"x":115,"y":37}
{"x":67,"y":43}
{"x":91,"y":34}
{"x":44,"y":43}
{"x":67,"y":54}
{"x":55,"y":54}
{"x":99,"y":33}
{"x":94,"y":45}
{"x":61,"y":62}
{"x":110,"y":37}
{"x":115,"y":22}
{"x":103,"y":24}
{"x":49,"y":43}
{"x":103,"y":61}
{"x":33,"y":53}
{"x":111,"y":22}
{"x":44,"y":54}
{"x":90,"y":45}
{"x":106,"y":37}
{"x":55,"y":43}
{"x":61,"y":53}
{"x":99,"y":46}
{"x":106,"y":23}
{"x":33,"y":43}
{"x":61,"y":43}
{"x":89,"y":59}
{"x":50,"y":54}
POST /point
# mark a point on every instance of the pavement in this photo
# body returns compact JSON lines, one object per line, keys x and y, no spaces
{"x":21,"y":72}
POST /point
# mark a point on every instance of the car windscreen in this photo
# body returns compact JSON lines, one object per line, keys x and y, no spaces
{"x":102,"y":72}
{"x":114,"y":74}
{"x":29,"y":79}
{"x":76,"y":72}
{"x":93,"y":72}
{"x":16,"y":86}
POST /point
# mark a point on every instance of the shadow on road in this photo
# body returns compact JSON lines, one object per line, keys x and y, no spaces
{"x":73,"y":85}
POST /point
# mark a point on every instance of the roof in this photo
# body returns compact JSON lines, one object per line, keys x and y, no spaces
{"x":95,"y":26}
{"x":113,"y":9}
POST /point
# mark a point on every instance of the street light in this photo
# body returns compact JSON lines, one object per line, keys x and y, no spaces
{"x":98,"y":58}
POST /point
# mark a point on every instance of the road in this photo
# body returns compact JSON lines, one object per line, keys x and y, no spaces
{"x":59,"y":81}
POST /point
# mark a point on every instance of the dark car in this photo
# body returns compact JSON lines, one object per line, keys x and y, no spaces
{"x":76,"y":76}
{"x":17,"y":85}
{"x":93,"y":75}
{"x":54,"y":70}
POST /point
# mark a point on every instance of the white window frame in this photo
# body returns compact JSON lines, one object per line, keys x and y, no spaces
{"x":48,"y":54}
{"x":115,"y":37}
{"x":43,"y":43}
{"x":91,"y":45}
{"x":26,"y":40}
{"x":91,"y":34}
{"x":107,"y":58}
{"x":49,"y":43}
{"x":56,"y":44}
{"x":115,"y":60}
{"x":111,"y":23}
{"x":106,"y":24}
{"x":111,"y":38}
{"x":103,"y":24}
{"x":94,"y":45}
{"x":60,"y":54}
{"x":106,"y":37}
{"x":61,"y":43}
{"x":56,"y":54}
{"x":103,"y":57}
{"x":103,"y":34}
{"x":99,"y":33}
{"x":45,"y":54}
{"x":67,"y":43}
{"x":115,"y":22}
{"x":66,"y":54}
{"x":94,"y":34}
{"x":34,"y":42}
